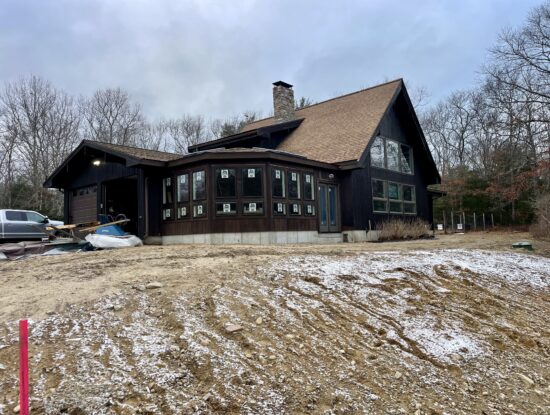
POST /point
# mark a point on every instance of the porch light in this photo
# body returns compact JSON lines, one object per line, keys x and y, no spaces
{"x":96,"y":162}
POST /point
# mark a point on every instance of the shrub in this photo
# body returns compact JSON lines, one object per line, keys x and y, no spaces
{"x":541,"y":228}
{"x":396,"y":229}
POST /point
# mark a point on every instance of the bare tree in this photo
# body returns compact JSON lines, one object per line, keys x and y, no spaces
{"x":39,"y":127}
{"x":110,"y":117}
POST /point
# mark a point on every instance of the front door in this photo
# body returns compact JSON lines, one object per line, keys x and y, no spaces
{"x":328,"y":208}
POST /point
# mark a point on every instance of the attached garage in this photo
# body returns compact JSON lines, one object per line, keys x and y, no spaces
{"x":83,"y":205}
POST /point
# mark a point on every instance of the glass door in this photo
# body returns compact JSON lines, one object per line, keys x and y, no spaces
{"x":328,"y":208}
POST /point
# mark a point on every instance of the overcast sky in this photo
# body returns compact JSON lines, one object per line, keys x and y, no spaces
{"x":219,"y":58}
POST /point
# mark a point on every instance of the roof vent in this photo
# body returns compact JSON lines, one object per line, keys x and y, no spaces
{"x":283,"y":102}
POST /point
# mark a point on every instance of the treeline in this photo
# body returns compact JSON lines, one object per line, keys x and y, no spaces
{"x":492,"y":143}
{"x":40,"y":125}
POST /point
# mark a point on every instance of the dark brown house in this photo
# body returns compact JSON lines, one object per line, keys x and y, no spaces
{"x":325,"y":173}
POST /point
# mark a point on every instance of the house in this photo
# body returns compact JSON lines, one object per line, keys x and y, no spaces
{"x":324,"y":173}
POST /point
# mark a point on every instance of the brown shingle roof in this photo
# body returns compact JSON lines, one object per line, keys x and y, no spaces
{"x":138,"y":153}
{"x":339,"y":129}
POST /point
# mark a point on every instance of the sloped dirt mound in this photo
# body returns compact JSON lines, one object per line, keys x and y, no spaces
{"x":425,"y":332}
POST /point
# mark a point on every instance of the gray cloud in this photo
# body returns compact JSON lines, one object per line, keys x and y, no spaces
{"x":219,"y":58}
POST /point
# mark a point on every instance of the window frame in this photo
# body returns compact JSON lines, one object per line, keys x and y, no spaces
{"x":400,"y":198}
{"x":400,"y":155}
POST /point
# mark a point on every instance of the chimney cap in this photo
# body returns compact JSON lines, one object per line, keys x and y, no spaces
{"x":283,"y":84}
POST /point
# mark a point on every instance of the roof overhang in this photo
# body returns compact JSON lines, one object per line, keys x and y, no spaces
{"x":86,"y":145}
{"x":250,"y":155}
{"x":242,"y":138}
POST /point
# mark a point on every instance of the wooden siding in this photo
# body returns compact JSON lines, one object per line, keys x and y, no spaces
{"x":356,"y":187}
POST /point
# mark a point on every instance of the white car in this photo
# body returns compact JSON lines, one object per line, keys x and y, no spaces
{"x":23,"y":224}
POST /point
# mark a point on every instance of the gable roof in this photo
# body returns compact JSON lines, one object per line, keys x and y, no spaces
{"x":339,"y":129}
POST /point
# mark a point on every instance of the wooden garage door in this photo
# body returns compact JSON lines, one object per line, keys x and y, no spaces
{"x":83,"y":205}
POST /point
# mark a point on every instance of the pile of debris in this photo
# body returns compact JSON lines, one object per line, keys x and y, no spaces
{"x":73,"y":238}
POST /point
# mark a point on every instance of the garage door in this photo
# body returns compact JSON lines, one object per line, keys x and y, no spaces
{"x":83,"y":205}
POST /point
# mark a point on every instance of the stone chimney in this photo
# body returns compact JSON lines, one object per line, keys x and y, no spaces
{"x":283,"y":101}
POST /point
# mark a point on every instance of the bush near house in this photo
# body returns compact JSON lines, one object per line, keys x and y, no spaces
{"x":396,"y":229}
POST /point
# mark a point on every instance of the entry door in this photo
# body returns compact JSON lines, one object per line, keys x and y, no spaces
{"x":328,"y":208}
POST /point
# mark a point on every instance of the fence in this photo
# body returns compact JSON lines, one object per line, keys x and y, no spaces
{"x":463,"y":222}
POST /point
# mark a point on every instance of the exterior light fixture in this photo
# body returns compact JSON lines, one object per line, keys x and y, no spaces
{"x":96,"y":162}
{"x":331,"y":176}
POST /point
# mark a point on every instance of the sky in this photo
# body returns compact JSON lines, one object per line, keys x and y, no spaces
{"x":219,"y":58}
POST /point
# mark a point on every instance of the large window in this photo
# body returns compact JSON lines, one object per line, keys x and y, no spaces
{"x":167,"y":198}
{"x":278,"y":182}
{"x":226,"y":183}
{"x":166,"y":190}
{"x":252,"y":182}
{"x":182,"y":194}
{"x":294,"y":185}
{"x":391,"y":155}
{"x":393,"y":197}
{"x":309,"y":187}
{"x":377,"y":153}
{"x":199,"y":185}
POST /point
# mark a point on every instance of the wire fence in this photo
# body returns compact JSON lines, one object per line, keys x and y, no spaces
{"x":450,"y":222}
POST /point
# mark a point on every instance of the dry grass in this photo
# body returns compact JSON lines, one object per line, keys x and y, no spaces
{"x":398,"y":229}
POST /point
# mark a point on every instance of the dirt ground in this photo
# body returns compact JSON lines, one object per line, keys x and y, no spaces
{"x":458,"y":324}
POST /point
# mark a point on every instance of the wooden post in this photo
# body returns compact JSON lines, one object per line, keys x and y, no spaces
{"x":23,"y":367}
{"x":452,"y":220}
{"x":493,"y":220}
{"x":475,"y":224}
{"x":463,"y":222}
{"x":483,"y":220}
{"x":445,"y":221}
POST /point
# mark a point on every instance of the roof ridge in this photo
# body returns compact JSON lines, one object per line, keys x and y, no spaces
{"x":335,"y":98}
{"x":127,"y":146}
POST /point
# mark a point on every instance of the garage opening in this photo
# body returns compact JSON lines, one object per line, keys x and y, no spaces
{"x":121,"y":201}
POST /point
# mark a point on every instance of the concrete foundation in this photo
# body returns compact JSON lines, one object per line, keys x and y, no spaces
{"x":255,"y":238}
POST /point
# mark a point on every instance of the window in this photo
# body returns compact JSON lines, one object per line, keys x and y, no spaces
{"x":393,"y":191}
{"x":182,"y":212}
{"x":309,"y":210}
{"x":199,"y":210}
{"x":253,"y":208}
{"x":228,"y":208}
{"x":294,"y":185}
{"x":166,"y":214}
{"x":14,"y":215}
{"x":278,"y":182}
{"x":309,"y":186}
{"x":393,"y":197}
{"x":226,"y":183}
{"x":406,"y":159}
{"x":377,"y":153}
{"x":392,"y":155}
{"x":279,"y":208}
{"x":35,"y":217}
{"x":252,"y":182}
{"x":295,"y":209}
{"x":379,"y":196}
{"x":409,"y":199}
{"x":182,"y":191}
{"x":389,"y":154}
{"x":199,"y":185}
{"x":166,"y":190}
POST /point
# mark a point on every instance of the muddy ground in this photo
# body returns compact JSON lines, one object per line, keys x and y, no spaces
{"x":453,"y":325}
